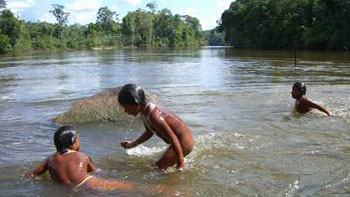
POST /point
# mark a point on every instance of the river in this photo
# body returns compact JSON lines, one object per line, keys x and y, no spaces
{"x":237,"y":104}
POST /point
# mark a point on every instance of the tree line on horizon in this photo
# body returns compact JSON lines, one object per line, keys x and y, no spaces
{"x":259,"y":24}
{"x":283,"y":24}
{"x":140,"y":28}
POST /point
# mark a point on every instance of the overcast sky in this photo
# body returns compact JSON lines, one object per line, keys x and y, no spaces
{"x":84,"y":11}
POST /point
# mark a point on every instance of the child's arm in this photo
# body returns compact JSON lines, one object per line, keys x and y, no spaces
{"x":312,"y":104}
{"x":144,"y":137}
{"x":42,"y":168}
{"x":91,"y":167}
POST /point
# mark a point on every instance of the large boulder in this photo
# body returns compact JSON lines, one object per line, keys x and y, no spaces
{"x":103,"y":107}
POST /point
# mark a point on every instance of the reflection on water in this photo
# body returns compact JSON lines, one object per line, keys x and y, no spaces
{"x":236,"y":102}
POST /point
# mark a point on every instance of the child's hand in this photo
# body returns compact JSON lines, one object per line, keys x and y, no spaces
{"x":128,"y":144}
{"x":180,"y":167}
{"x":28,"y":175}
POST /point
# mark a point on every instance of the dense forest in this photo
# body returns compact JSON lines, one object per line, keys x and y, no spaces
{"x":141,"y":28}
{"x":215,"y":38}
{"x":265,"y":24}
{"x":304,"y":24}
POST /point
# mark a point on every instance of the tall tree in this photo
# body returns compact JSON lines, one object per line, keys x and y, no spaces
{"x":152,"y":6}
{"x":2,"y":4}
{"x":60,"y":14}
{"x":4,"y":44}
{"x":10,"y":26}
{"x":138,"y":28}
{"x":105,"y":18}
{"x":61,"y":17}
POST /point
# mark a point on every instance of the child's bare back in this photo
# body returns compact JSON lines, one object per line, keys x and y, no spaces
{"x":70,"y":168}
{"x":155,"y":124}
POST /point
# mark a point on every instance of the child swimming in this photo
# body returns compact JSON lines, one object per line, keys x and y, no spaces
{"x":303,"y":104}
{"x":71,"y":168}
{"x":167,"y":126}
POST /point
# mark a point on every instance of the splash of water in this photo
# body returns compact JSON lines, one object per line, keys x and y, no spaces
{"x":142,"y":150}
{"x":293,"y":187}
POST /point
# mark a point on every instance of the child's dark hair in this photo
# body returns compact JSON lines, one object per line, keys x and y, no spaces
{"x":300,"y":86}
{"x":64,"y":137}
{"x":132,"y":94}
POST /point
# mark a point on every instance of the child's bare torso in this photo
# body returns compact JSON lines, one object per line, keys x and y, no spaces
{"x":154,"y":114}
{"x":69,"y":169}
{"x":301,"y":107}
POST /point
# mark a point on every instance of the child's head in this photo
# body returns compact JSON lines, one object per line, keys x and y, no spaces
{"x":298,"y":90}
{"x":66,"y":138}
{"x":131,"y":97}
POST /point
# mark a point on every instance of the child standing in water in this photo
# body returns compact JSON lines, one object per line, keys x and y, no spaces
{"x":170,"y":128}
{"x":303,"y":104}
{"x":71,"y":168}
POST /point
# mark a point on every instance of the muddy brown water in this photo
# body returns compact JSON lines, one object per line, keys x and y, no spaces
{"x":236,"y":102}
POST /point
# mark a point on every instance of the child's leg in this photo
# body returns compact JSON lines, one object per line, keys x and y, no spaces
{"x":104,"y":184}
{"x":168,"y":159}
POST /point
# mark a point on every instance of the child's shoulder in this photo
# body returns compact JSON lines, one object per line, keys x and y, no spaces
{"x":81,"y":154}
{"x":71,"y":154}
{"x":304,"y":99}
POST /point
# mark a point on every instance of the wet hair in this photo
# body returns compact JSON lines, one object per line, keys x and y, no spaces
{"x":132,"y":94}
{"x":64,"y":138}
{"x":300,"y":86}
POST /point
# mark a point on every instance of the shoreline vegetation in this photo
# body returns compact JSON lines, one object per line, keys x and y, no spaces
{"x":246,"y":24}
{"x":287,"y":24}
{"x":143,"y":28}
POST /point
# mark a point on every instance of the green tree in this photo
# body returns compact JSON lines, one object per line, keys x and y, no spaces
{"x":60,"y":14}
{"x":137,"y":28}
{"x":194,"y":25}
{"x":192,"y":22}
{"x":142,"y":28}
{"x":2,"y":4}
{"x":215,"y":38}
{"x":10,"y":26}
{"x":105,"y":18}
{"x":92,"y":34}
{"x":4,"y":44}
{"x":308,"y":24}
{"x":61,"y":17}
{"x":152,"y":6}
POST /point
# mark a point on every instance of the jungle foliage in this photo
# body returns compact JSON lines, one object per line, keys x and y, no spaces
{"x":306,"y":24}
{"x":215,"y":38}
{"x":140,"y":28}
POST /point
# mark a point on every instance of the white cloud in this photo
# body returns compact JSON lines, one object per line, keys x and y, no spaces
{"x":19,"y":6}
{"x":209,"y":22}
{"x":82,"y":18}
{"x":191,"y":11}
{"x":223,"y":4}
{"x":48,"y":17}
{"x":84,"y":5}
{"x":80,"y":11}
{"x":133,"y":2}
{"x":83,"y":11}
{"x":113,"y":7}
{"x":166,"y":1}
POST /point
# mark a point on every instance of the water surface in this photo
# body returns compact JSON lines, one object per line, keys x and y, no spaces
{"x":236,"y":102}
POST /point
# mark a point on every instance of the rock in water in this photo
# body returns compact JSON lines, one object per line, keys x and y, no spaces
{"x":103,"y":107}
